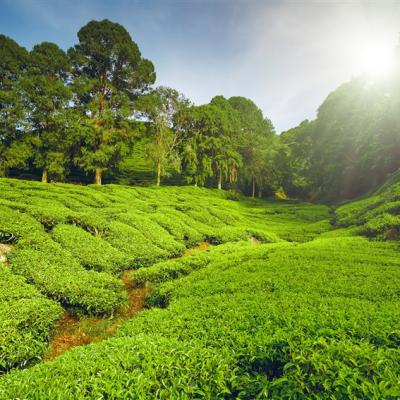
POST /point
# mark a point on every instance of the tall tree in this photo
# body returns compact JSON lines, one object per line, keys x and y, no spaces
{"x":349,"y":134}
{"x":46,"y":98}
{"x":257,"y":134}
{"x":295,"y":159}
{"x":267,"y":175}
{"x":227,"y":159}
{"x":110,"y":74}
{"x":13,"y":63}
{"x":163,"y":107}
{"x":208,"y":149}
{"x":197,"y":123}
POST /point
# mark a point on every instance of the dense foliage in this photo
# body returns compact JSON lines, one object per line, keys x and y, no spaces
{"x":26,"y":321}
{"x":377,"y":216}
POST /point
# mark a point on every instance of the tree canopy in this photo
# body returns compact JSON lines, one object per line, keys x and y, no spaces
{"x":110,"y":73}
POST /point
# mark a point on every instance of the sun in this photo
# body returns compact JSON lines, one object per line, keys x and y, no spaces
{"x":375,"y":60}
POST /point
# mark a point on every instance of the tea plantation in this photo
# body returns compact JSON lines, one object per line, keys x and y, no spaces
{"x":290,"y":300}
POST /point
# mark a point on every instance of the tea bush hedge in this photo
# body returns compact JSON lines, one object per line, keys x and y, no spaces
{"x":223,"y":332}
{"x":138,"y":249}
{"x":56,"y":273}
{"x":378,"y":216}
{"x":26,"y":321}
{"x":153,"y":232}
{"x":91,"y":251}
{"x":315,"y":320}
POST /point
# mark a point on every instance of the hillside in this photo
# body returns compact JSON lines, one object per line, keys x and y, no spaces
{"x":376,"y":216}
{"x":278,"y":305}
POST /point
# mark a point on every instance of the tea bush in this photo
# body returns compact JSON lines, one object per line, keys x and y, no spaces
{"x":180,"y":230}
{"x":139,"y":250}
{"x":14,"y":225}
{"x":91,"y":251}
{"x":318,"y":320}
{"x":284,"y":306}
{"x":26,"y":321}
{"x":153,"y":232}
{"x":111,"y":228}
{"x":56,"y":273}
{"x":377,"y":216}
{"x":173,"y":269}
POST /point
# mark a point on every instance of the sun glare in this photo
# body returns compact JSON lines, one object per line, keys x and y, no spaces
{"x":375,"y":60}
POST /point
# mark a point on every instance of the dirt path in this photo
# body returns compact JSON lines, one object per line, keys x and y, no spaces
{"x":254,"y":241}
{"x":200,"y":247}
{"x":72,"y":331}
{"x":4,"y":250}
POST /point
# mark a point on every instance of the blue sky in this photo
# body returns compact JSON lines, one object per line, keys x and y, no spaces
{"x":284,"y":55}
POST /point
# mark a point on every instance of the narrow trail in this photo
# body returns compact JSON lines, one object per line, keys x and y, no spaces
{"x":200,"y":247}
{"x":72,"y":331}
{"x":4,"y":250}
{"x":254,"y":241}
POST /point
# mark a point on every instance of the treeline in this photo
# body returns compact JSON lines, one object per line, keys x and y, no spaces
{"x":81,"y":112}
{"x":82,"y":115}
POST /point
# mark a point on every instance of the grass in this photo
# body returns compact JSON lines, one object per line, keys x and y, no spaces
{"x":282,"y":306}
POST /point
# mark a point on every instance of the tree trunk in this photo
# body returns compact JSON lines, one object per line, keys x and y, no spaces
{"x":220,"y":180}
{"x":97,"y":177}
{"x":102,"y":88}
{"x":44,"y":176}
{"x":259,"y":193}
{"x":253,"y":193}
{"x":3,"y":172}
{"x":158,"y":173}
{"x":233,"y":175}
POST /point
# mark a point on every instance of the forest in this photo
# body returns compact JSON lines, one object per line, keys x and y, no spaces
{"x":93,"y":114}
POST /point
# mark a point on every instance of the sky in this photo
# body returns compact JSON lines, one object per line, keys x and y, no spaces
{"x":286,"y":56}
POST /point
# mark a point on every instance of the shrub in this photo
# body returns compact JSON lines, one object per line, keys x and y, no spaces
{"x":91,"y":251}
{"x":313,"y":320}
{"x":26,"y":320}
{"x":157,"y":235}
{"x":58,"y":275}
{"x":377,"y":216}
{"x":384,"y":226}
{"x":137,"y":247}
{"x":173,"y":269}
{"x":179,"y":229}
{"x":14,"y":225}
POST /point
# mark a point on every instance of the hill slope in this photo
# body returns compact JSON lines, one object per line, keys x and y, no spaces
{"x":376,"y":216}
{"x":309,"y":312}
